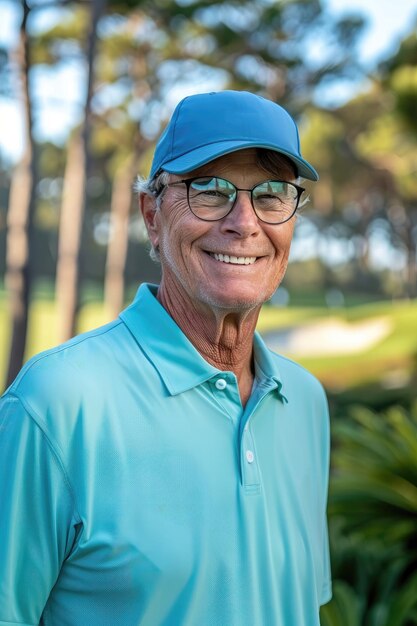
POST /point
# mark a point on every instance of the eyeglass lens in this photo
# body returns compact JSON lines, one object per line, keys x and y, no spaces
{"x":211,"y":198}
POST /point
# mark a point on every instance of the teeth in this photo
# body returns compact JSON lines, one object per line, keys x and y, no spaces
{"x":237,"y":260}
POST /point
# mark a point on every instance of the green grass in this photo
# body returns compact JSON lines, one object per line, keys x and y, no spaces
{"x":43,"y":327}
{"x":395,"y":355}
{"x":274,"y":318}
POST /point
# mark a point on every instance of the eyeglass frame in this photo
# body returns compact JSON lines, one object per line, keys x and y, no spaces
{"x":189,"y":181}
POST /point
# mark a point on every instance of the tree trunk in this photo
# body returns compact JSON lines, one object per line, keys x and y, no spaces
{"x":411,"y":266}
{"x":20,"y":220}
{"x":70,"y":237}
{"x":74,"y":201}
{"x":121,"y":202}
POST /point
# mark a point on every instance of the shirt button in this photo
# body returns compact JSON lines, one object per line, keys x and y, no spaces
{"x":221,"y":384}
{"x":249,"y":456}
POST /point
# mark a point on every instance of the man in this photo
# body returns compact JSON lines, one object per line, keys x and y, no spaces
{"x":168,"y":469}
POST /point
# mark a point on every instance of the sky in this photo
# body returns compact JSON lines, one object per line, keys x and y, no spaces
{"x":387,"y":22}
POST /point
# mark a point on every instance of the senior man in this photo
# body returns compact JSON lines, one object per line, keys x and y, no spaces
{"x":168,"y":469}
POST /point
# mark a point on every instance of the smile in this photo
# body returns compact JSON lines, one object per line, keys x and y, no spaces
{"x":237,"y":260}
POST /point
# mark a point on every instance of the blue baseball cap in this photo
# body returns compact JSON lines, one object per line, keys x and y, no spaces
{"x":206,"y":126}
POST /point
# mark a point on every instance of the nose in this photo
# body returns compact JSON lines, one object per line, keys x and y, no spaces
{"x":242,"y":219}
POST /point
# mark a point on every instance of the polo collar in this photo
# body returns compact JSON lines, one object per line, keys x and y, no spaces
{"x":178,"y":362}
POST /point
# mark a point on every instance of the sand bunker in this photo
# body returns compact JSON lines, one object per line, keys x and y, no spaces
{"x":329,"y":337}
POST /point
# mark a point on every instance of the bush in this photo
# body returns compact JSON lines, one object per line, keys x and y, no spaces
{"x":373,"y":520}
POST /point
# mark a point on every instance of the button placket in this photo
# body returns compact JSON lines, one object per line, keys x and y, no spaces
{"x":249,"y":463}
{"x":225,"y":394}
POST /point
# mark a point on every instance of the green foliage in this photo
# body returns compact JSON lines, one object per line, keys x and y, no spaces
{"x":343,"y":610}
{"x":373,"y":519}
{"x":62,"y":42}
{"x":254,"y":44}
{"x":366,"y":153}
{"x":405,"y":55}
{"x":399,"y":74}
{"x":321,"y":134}
{"x":388,"y":144}
{"x":404,"y":85}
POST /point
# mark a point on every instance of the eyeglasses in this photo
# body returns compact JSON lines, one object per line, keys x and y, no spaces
{"x":211,"y":198}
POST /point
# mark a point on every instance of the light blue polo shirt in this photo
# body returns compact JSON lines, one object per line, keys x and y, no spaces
{"x":136,"y":491}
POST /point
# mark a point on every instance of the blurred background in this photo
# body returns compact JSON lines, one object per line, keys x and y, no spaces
{"x":87,"y":86}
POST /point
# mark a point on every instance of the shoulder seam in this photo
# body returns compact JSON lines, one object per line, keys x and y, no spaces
{"x":61,"y":348}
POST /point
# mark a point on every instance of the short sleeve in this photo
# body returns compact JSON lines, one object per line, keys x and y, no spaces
{"x":37,"y":521}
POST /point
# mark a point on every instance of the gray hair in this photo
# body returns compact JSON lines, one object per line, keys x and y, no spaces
{"x":152,"y":187}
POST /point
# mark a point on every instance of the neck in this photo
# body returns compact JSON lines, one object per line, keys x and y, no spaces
{"x":224,"y":338}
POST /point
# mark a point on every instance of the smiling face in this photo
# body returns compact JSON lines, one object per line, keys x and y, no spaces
{"x":234,"y":264}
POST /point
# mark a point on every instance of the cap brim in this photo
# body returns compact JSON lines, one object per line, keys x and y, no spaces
{"x":200,"y":156}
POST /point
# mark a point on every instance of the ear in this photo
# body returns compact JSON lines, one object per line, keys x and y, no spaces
{"x":150,"y":214}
